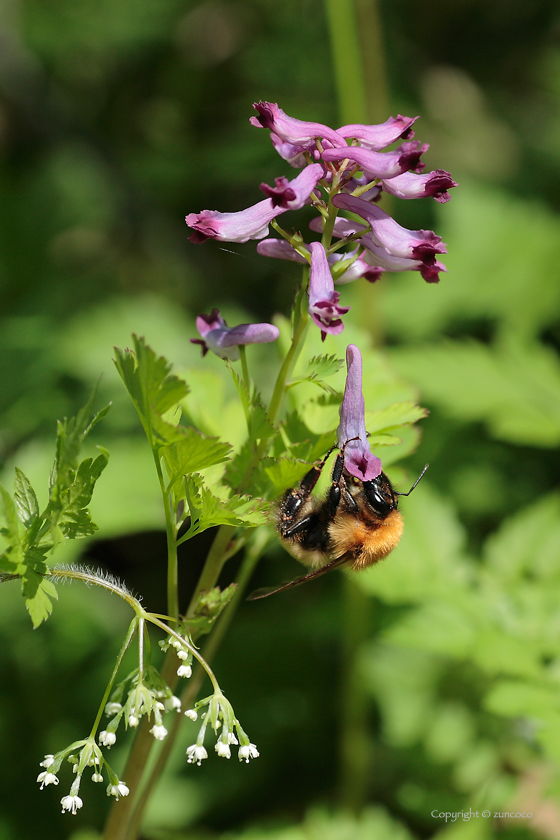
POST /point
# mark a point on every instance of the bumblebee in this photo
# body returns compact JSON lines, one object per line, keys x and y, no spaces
{"x":357,"y":523}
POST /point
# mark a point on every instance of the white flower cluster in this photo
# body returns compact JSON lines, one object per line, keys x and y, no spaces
{"x":90,"y":755}
{"x":220,"y":716}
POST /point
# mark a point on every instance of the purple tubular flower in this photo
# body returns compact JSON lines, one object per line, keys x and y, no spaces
{"x":358,"y":458}
{"x":253,"y":222}
{"x":224,"y":340}
{"x":380,"y":164}
{"x":291,"y":130}
{"x":323,"y":300}
{"x":377,"y":137}
{"x":381,"y":260}
{"x":420,"y":245}
{"x":279,"y":249}
{"x":292,"y":195}
{"x":433,"y":184}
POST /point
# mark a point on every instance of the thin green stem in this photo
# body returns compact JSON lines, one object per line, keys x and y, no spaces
{"x":124,"y":648}
{"x":171,"y":534}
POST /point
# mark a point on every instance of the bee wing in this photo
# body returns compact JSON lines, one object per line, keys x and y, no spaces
{"x":271,"y":590}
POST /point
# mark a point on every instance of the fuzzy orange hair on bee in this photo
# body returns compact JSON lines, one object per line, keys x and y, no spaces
{"x":356,"y":524}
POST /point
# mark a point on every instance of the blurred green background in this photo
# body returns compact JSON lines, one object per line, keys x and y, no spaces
{"x":438,"y":686}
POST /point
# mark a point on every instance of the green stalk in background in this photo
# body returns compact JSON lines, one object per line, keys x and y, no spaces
{"x":359,"y":77}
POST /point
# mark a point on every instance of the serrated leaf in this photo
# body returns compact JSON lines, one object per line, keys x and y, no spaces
{"x":152,"y":388}
{"x":284,"y":473}
{"x":259,"y":426}
{"x":514,"y":387}
{"x":207,"y":510}
{"x":25,"y":499}
{"x":39,"y":603}
{"x":319,"y":368}
{"x":395,"y":415}
{"x":193,"y":452}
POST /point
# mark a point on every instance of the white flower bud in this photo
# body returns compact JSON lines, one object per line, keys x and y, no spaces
{"x":184,"y":671}
{"x":47,"y":778}
{"x":247,"y":751}
{"x":173,"y":703}
{"x":195,"y":754}
{"x":223,"y":750}
{"x":118,"y":790}
{"x":107,"y":739}
{"x":192,"y":714}
{"x":159,"y":732}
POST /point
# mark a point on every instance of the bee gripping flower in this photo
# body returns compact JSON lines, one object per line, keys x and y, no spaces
{"x":224,"y":340}
{"x":323,"y":300}
{"x":358,"y":458}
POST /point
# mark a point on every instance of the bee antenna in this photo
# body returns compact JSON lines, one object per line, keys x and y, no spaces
{"x":414,"y":485}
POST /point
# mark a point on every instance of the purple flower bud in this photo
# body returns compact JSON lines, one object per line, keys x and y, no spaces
{"x":380,"y":164}
{"x":291,"y":195}
{"x":409,"y":185}
{"x":358,"y":458}
{"x":323,"y":300}
{"x":377,"y":137}
{"x":224,"y":340}
{"x":291,"y":130}
{"x":421,"y":245}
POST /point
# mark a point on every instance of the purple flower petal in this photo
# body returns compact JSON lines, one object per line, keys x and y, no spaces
{"x":323,"y":300}
{"x":433,"y":184}
{"x":380,"y":164}
{"x":292,"y":195}
{"x":224,"y":340}
{"x":358,"y":458}
{"x":379,"y":136}
{"x":294,"y":155}
{"x":280,"y":249}
{"x":398,"y":241}
{"x":291,"y":130}
{"x":251,"y":223}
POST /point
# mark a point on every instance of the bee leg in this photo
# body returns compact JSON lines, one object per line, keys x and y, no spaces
{"x":339,"y":489}
{"x":294,"y":499}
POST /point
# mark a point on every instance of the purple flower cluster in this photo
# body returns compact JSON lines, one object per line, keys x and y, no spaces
{"x":348,"y":170}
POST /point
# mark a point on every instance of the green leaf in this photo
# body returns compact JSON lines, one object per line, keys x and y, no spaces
{"x":25,"y":499}
{"x":318,"y":368}
{"x":67,"y":509}
{"x":395,"y":415}
{"x":39,"y":604}
{"x":259,"y":426}
{"x":513,"y":386}
{"x":284,"y":473}
{"x":207,"y":510}
{"x":152,"y":388}
{"x":193,"y":452}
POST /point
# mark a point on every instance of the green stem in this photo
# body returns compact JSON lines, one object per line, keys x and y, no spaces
{"x":124,"y":648}
{"x":171,"y":535}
